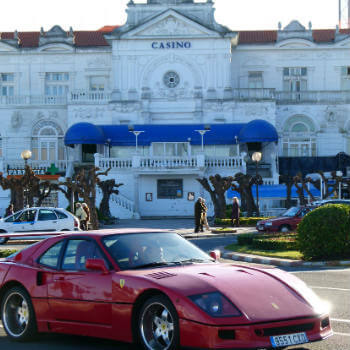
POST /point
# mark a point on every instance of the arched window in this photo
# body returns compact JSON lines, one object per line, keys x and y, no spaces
{"x":299,"y":139}
{"x":47,"y":142}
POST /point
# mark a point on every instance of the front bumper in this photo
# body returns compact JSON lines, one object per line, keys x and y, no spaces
{"x":254,"y":336}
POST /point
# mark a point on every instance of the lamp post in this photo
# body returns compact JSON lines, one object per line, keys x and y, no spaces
{"x":202,"y":133}
{"x":25,"y":155}
{"x":256,"y":157}
{"x":136,"y":133}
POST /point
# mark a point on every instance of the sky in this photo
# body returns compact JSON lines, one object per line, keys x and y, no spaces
{"x":31,"y":15}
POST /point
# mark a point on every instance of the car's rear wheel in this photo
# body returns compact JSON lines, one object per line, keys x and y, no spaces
{"x":3,"y":240}
{"x":17,"y":315}
{"x":284,"y":229}
{"x":158,"y":325}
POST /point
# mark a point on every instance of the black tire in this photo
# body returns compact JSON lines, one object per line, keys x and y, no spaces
{"x":17,"y":315}
{"x":284,"y":228}
{"x":158,"y":325}
{"x":3,"y":240}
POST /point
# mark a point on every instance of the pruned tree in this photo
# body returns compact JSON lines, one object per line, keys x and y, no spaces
{"x":217,"y":187}
{"x":301,"y":185}
{"x":242,"y":183}
{"x":289,"y":182}
{"x":84,"y":184}
{"x":107,"y":187}
{"x":331,"y":185}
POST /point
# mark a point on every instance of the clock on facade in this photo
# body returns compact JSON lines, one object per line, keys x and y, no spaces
{"x":171,"y":79}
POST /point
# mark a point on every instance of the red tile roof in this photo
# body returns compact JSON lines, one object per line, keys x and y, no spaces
{"x":81,"y":38}
{"x":96,"y":38}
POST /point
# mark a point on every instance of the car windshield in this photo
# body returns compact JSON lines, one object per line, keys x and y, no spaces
{"x":145,"y":250}
{"x":291,"y":212}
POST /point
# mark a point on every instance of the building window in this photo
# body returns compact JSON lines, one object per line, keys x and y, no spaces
{"x":298,"y":139}
{"x":56,"y":84}
{"x":170,"y":189}
{"x":170,"y":149}
{"x":345,"y":78}
{"x":47,"y":142}
{"x":7,"y":83}
{"x":255,"y":80}
{"x":295,"y":79}
{"x":97,"y":83}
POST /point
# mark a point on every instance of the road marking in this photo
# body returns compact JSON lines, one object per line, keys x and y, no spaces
{"x":340,"y":320}
{"x":342,"y":334}
{"x":341,"y":289}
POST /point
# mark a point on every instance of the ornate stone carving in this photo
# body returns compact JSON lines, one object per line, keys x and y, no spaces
{"x":56,"y":35}
{"x":170,"y":26}
{"x":89,"y":113}
{"x":218,"y":106}
{"x":125,"y":107}
{"x":16,"y":119}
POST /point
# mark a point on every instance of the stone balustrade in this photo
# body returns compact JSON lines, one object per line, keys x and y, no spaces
{"x":295,"y":97}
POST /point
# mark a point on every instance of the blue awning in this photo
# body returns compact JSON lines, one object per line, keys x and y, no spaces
{"x":219,"y":134}
{"x":258,"y":131}
{"x":84,"y":133}
{"x":274,"y":192}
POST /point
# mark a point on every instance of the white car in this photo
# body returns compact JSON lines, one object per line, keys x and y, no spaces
{"x":39,"y":219}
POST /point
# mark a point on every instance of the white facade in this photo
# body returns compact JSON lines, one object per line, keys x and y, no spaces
{"x":171,"y":63}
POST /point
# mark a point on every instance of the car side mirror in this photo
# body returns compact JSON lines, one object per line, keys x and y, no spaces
{"x":215,"y":254}
{"x":96,"y":265}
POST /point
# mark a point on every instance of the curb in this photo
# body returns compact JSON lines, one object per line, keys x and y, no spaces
{"x":281,"y":262}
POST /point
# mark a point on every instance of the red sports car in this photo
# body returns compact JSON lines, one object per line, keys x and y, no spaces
{"x":156,"y":289}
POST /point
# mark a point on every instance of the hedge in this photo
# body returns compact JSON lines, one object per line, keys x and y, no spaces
{"x":6,"y":252}
{"x":324,"y":233}
{"x":269,"y":242}
{"x":252,"y":221}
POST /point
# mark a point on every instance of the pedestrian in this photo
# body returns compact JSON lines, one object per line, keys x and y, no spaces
{"x":198,"y":217}
{"x":87,"y":220}
{"x":80,"y":214}
{"x":235,"y":212}
{"x":204,"y":215}
{"x":9,"y":210}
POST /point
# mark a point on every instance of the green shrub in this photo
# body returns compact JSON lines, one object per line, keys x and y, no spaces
{"x":324,"y":233}
{"x":252,"y":221}
{"x":6,"y":252}
{"x":245,"y":239}
{"x":275,"y":242}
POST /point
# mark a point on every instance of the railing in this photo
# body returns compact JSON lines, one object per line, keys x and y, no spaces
{"x":16,"y":167}
{"x":313,"y":96}
{"x":224,"y":162}
{"x":33,"y":100}
{"x":253,"y":94}
{"x":121,"y":163}
{"x":168,"y":162}
{"x":123,"y":202}
{"x":96,"y":97}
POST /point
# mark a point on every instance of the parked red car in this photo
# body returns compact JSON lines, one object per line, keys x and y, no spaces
{"x":156,"y":289}
{"x":287,"y":222}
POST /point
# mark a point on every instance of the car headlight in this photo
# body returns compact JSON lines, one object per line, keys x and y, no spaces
{"x":215,"y":305}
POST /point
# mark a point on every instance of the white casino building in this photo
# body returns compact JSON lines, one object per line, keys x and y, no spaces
{"x":171,"y":96}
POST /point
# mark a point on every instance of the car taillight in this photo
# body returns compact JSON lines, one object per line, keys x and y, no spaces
{"x":76,"y":223}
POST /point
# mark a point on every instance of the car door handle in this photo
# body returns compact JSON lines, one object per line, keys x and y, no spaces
{"x":54,"y":222}
{"x":58,"y":278}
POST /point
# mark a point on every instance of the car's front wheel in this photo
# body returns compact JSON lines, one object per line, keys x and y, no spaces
{"x":158,"y":325}
{"x":284,"y":229}
{"x":3,"y":240}
{"x":17,"y":315}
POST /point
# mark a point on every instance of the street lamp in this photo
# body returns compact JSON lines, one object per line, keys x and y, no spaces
{"x":136,"y":133}
{"x":202,"y":133}
{"x":25,"y":155}
{"x":256,"y":157}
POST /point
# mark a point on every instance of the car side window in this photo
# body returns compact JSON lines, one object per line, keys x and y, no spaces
{"x":77,"y":252}
{"x":61,"y":215}
{"x":27,"y":216}
{"x":46,"y":214}
{"x":51,"y":256}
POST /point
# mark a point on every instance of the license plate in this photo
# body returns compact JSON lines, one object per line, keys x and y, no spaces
{"x":289,"y":339}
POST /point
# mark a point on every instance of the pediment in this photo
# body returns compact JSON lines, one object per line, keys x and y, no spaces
{"x":295,"y":44}
{"x":5,"y":47}
{"x":56,"y":48}
{"x":173,"y":24}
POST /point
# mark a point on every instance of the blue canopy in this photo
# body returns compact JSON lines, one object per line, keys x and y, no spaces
{"x":258,"y":131}
{"x":216,"y":134}
{"x":274,"y":191}
{"x":84,"y":133}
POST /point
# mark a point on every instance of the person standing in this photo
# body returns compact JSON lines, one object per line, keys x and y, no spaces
{"x":87,"y":220}
{"x":81,"y":215}
{"x":235,"y":212}
{"x":9,"y":210}
{"x":204,"y":215}
{"x":198,"y":217}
